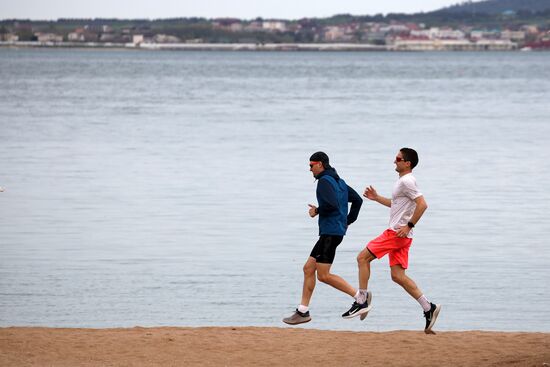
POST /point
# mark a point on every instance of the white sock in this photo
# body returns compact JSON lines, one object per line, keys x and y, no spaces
{"x":361,"y":296}
{"x":303,"y":309}
{"x":426,"y":305}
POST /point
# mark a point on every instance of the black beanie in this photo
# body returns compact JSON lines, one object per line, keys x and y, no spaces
{"x":320,"y":157}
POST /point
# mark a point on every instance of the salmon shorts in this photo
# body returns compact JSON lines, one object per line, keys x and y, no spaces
{"x":396,"y":247}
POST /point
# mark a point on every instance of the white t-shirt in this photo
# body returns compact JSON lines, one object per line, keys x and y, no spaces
{"x":402,"y":208}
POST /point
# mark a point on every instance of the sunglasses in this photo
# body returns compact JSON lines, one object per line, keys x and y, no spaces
{"x":312,"y":163}
{"x":399,"y":159}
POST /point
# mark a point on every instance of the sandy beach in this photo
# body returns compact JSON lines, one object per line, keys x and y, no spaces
{"x":254,"y":346}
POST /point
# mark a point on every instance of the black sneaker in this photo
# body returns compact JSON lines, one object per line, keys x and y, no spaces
{"x":369,"y":301}
{"x":431,"y":316}
{"x":356,"y":310}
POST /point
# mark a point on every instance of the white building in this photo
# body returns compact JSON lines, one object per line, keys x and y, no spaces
{"x":496,"y":45}
{"x":166,"y":38}
{"x":453,"y":45}
{"x":334,"y":33}
{"x":422,"y":33}
{"x":533,"y":29}
{"x":48,"y":37}
{"x":512,"y":35}
{"x":137,"y":39}
{"x":9,"y":37}
{"x":273,"y":26}
{"x":435,"y":33}
{"x":450,"y":34}
{"x":395,"y":28}
{"x":76,"y":37}
{"x":236,"y":27}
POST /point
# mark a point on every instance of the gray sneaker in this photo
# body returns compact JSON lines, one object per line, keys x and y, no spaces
{"x":297,"y":318}
{"x":369,"y":300}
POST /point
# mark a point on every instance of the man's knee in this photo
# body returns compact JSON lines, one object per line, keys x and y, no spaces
{"x":398,"y":276}
{"x":365,"y":257}
{"x":309,"y":269}
{"x":323,"y":277}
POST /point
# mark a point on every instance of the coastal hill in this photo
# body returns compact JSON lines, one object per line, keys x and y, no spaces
{"x":497,"y":6}
{"x":491,"y":24}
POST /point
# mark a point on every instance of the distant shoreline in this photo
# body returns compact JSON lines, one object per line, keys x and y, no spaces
{"x":200,"y":46}
{"x":268,"y":47}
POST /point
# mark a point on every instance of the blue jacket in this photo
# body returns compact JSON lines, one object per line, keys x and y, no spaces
{"x":333,"y":196}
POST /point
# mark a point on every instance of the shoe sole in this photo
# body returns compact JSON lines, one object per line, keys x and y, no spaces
{"x":360,"y":312}
{"x":434,"y":317}
{"x":297,"y":323}
{"x":369,"y":300}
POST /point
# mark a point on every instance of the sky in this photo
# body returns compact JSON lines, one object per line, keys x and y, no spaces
{"x":243,"y":9}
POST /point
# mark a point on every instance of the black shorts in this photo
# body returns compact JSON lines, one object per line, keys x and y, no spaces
{"x":325,"y":249}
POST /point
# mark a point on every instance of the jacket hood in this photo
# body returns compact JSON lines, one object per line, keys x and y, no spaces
{"x":331,"y":171}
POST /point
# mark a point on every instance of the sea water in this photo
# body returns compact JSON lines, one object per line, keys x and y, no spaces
{"x":171,"y":188}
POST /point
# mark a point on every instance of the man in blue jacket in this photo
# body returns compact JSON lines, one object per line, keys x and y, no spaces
{"x":333,"y":196}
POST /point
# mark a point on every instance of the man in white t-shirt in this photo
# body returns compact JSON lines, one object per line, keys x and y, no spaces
{"x":406,"y":208}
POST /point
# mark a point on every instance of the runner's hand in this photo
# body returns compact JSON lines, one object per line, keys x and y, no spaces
{"x":403,"y":231}
{"x":312,"y":210}
{"x":370,"y":193}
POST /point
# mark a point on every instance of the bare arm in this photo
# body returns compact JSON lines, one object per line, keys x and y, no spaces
{"x":421,"y":207}
{"x":371,"y":194}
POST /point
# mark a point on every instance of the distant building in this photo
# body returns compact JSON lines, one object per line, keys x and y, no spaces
{"x":274,"y":26}
{"x":137,"y":39}
{"x":512,"y":35}
{"x":9,"y":37}
{"x":421,"y":34}
{"x":48,"y":37}
{"x":236,"y":27}
{"x":91,"y":37}
{"x":450,"y":34}
{"x":413,"y":45}
{"x":395,"y":29}
{"x":453,"y":45}
{"x":483,"y":34}
{"x":107,"y":37}
{"x":165,"y":38}
{"x":334,"y":34}
{"x":82,"y":35}
{"x":496,"y":45}
{"x":76,"y":37}
{"x":253,"y":27}
{"x":373,"y":36}
{"x":194,"y":40}
{"x":98,"y":28}
{"x":225,"y":22}
{"x":532,"y":29}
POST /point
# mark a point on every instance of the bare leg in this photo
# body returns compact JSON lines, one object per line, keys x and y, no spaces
{"x":324,"y":275}
{"x":363,"y":263}
{"x":398,"y":275}
{"x":309,"y":280}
